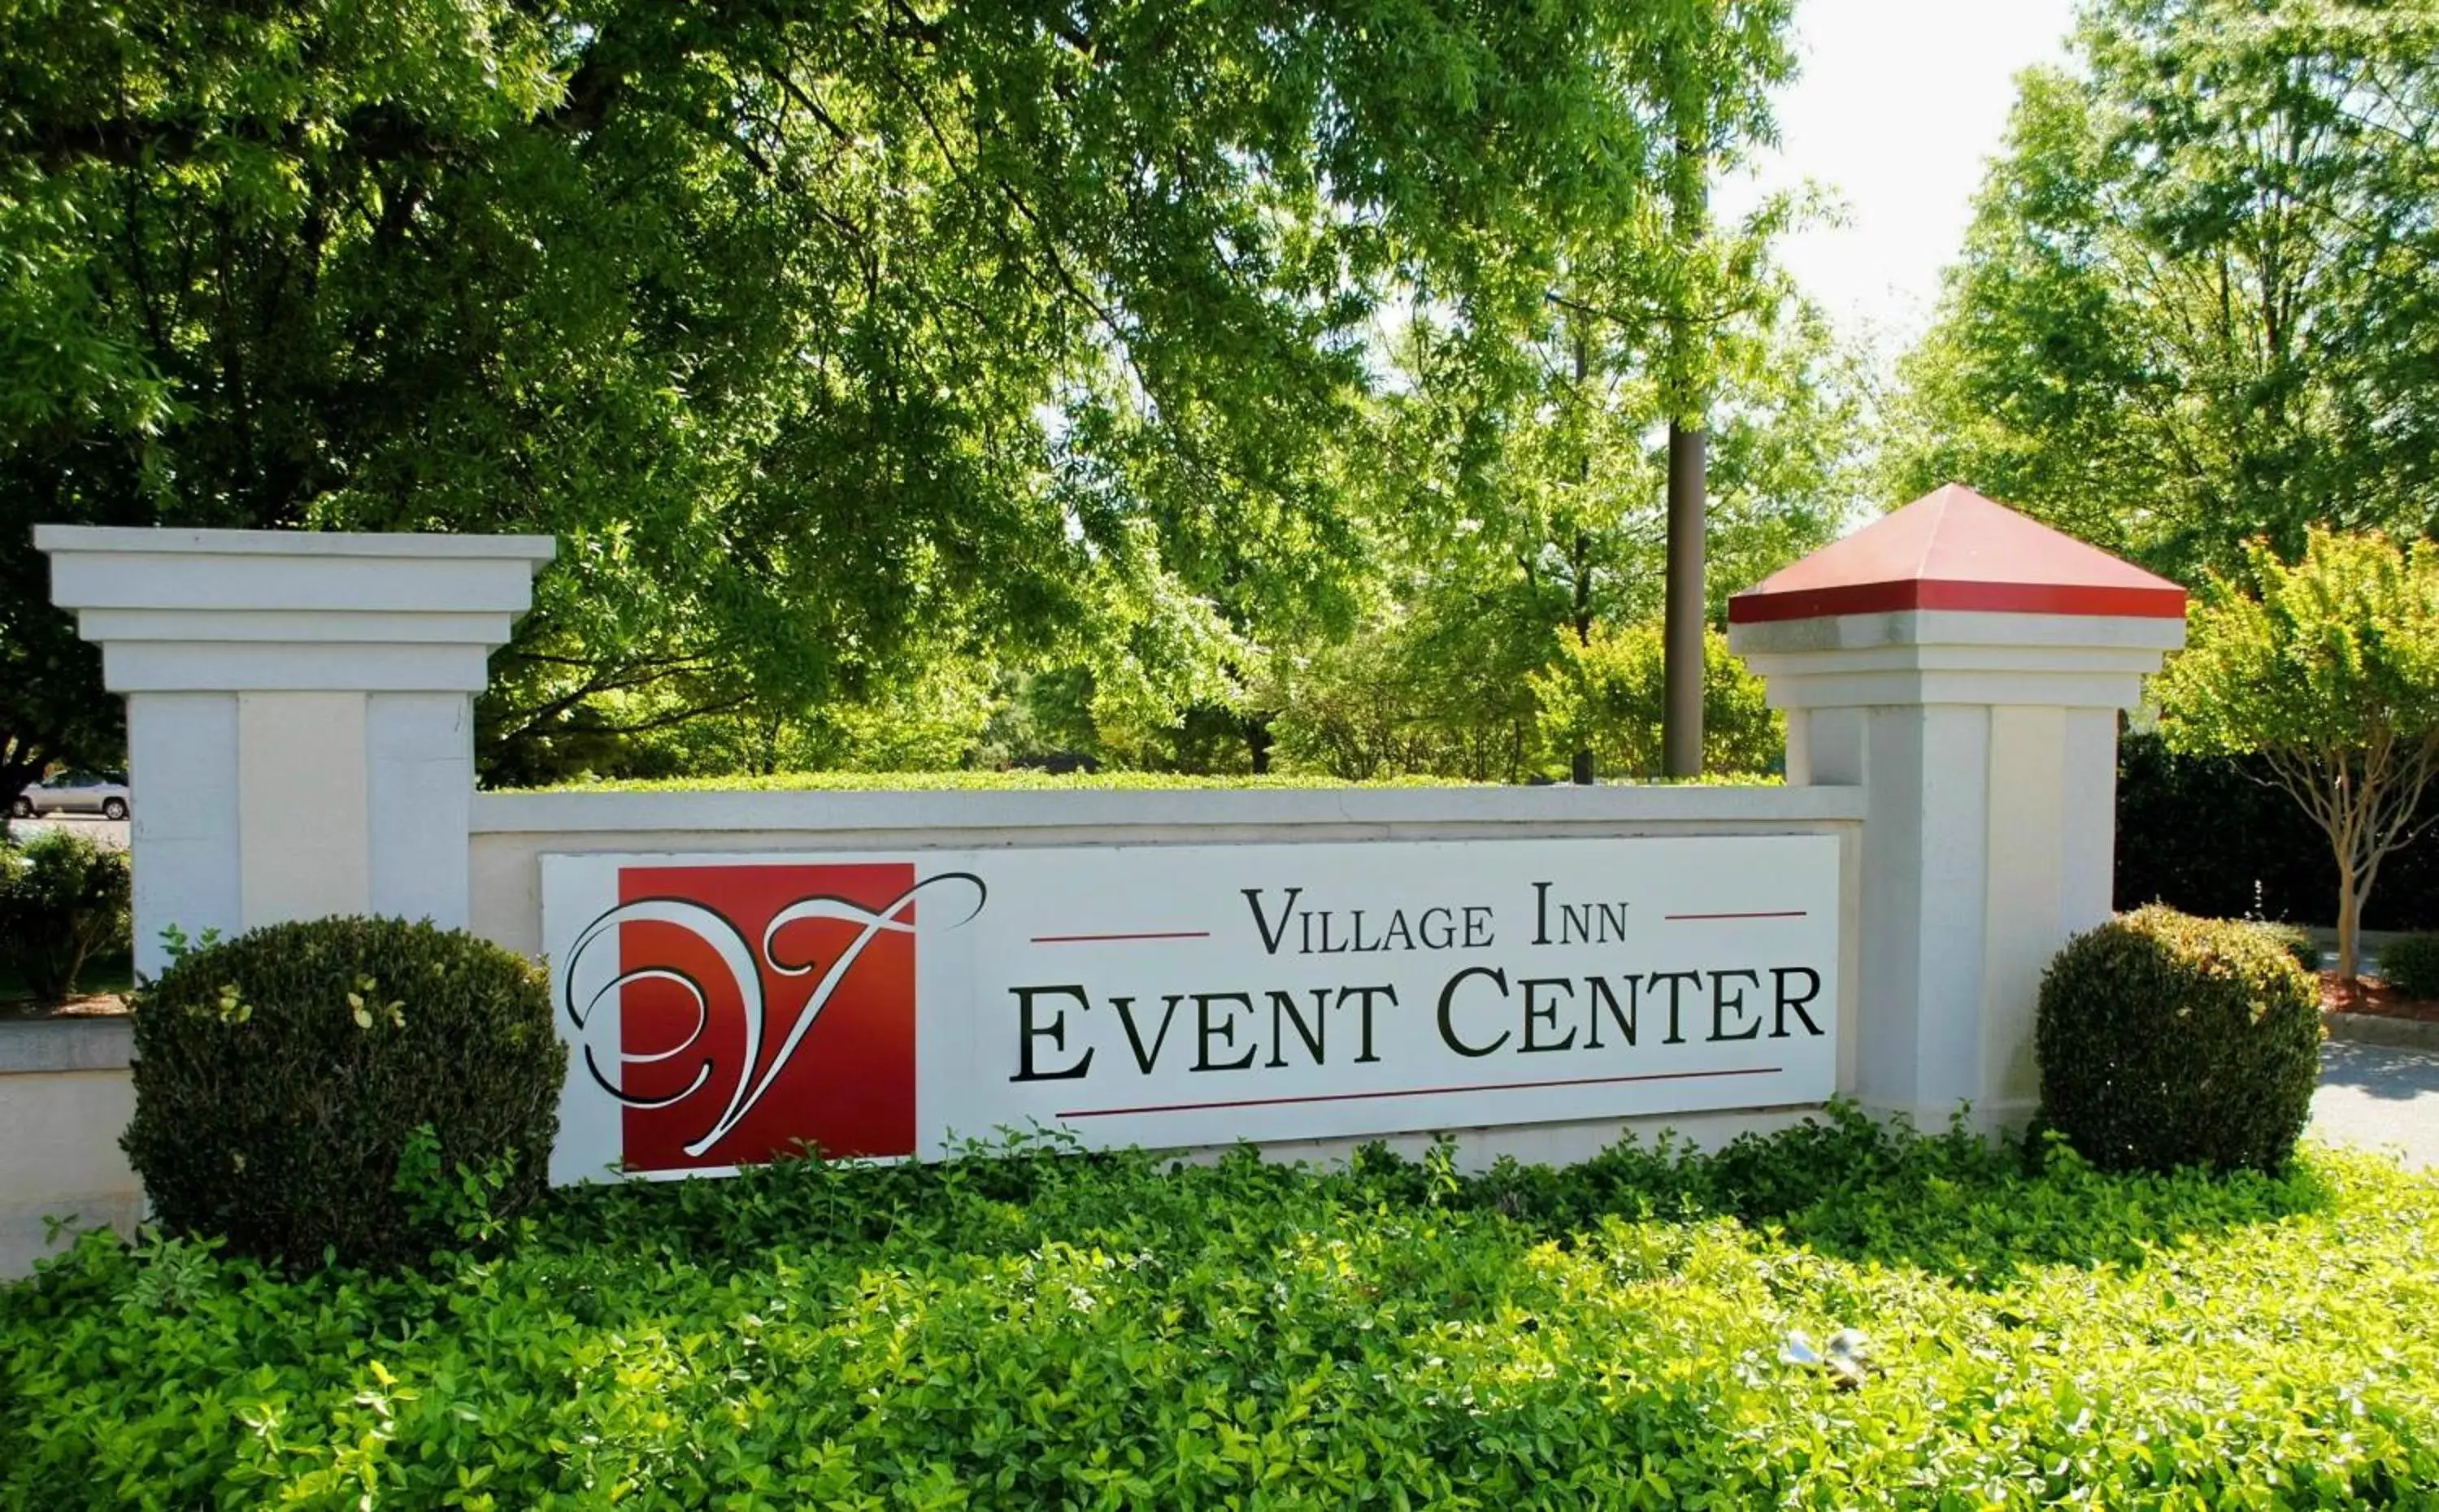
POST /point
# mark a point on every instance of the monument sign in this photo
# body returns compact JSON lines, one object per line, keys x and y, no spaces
{"x":722,"y":1009}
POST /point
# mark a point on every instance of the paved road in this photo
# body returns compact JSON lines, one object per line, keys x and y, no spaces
{"x":108,"y":831}
{"x":2380,"y":1098}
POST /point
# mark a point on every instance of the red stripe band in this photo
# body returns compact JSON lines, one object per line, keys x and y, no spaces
{"x":1082,"y":939}
{"x":2131,"y":601}
{"x":1791,"y":913}
{"x":1414,"y":1092}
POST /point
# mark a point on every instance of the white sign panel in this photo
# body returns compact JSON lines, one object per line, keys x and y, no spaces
{"x":722,"y":1009}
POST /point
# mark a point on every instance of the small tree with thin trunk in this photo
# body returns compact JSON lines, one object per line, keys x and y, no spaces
{"x":2330,"y":672}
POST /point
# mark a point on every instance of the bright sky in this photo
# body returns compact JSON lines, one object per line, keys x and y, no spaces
{"x":1899,"y":105}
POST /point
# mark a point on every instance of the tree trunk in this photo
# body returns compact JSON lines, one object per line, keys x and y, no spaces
{"x":1583,"y":771}
{"x":1680,"y":724}
{"x":2349,"y":919}
{"x":1257,"y":742}
{"x":1686,"y":612}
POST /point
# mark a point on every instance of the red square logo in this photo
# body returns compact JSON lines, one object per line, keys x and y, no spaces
{"x":765,"y":1008}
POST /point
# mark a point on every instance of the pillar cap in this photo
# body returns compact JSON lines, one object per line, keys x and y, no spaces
{"x":1954,"y":550}
{"x":292,"y":611}
{"x":150,"y":540}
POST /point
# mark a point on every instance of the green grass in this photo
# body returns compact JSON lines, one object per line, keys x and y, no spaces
{"x":1048,"y":1330}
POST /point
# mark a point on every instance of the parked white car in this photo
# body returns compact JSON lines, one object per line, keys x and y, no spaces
{"x":101,"y":793}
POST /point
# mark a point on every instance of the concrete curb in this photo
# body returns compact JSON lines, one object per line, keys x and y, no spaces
{"x":2372,"y":1028}
{"x":96,"y":1043}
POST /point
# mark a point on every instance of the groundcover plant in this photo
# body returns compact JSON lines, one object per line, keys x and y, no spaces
{"x":1038,"y":1329}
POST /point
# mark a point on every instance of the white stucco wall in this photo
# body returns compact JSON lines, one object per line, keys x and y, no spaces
{"x":64,"y":1097}
{"x":512,"y":831}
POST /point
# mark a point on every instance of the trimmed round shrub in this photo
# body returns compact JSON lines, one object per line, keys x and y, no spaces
{"x":2295,"y":940}
{"x":281,"y":1076}
{"x":2411,"y":966}
{"x":2168,"y":1040}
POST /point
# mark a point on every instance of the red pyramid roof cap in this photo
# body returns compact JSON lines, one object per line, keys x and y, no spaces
{"x":1954,"y":549}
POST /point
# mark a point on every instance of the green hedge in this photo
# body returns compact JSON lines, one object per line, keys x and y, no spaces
{"x":2219,"y":836}
{"x":1022,"y":780}
{"x":1109,"y":1331}
{"x":1029,"y":781}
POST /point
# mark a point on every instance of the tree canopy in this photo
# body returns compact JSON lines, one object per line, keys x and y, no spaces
{"x":2195,"y":304}
{"x":837,"y":340}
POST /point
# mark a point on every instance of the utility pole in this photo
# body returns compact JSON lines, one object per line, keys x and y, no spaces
{"x":1681,"y":641}
{"x":1681,"y":720}
{"x":1581,"y":770}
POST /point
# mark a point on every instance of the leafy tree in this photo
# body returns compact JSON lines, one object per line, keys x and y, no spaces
{"x":2331,"y":673}
{"x":1514,"y":512}
{"x":1406,"y":696}
{"x":1605,"y":696}
{"x":1545,"y":427}
{"x":833,"y":338}
{"x":2195,"y":302}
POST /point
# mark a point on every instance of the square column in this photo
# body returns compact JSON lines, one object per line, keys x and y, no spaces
{"x":299,"y":713}
{"x":1966,"y":667}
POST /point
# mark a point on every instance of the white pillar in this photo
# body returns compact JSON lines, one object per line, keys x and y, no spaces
{"x":299,"y":713}
{"x":1987,"y":743}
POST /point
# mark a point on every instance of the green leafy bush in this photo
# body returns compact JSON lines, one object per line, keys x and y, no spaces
{"x":2294,"y":940}
{"x":2412,"y":966}
{"x":1041,"y":1330}
{"x":281,"y":1077}
{"x":1605,"y":697}
{"x":64,"y":899}
{"x":2168,"y":1040}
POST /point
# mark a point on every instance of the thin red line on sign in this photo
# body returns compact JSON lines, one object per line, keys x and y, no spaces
{"x":1082,"y":939}
{"x":1791,"y":913}
{"x":1414,"y":1092}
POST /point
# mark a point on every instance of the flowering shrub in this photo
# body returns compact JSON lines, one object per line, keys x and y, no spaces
{"x":1047,"y":1330}
{"x":281,"y":1077}
{"x":2294,"y":940}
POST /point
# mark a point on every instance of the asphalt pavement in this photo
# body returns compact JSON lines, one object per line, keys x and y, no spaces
{"x":112,"y":832}
{"x":2380,"y":1098}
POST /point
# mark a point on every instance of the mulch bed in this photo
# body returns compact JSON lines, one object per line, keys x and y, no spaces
{"x":2374,"y":998}
{"x":92,"y":1005}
